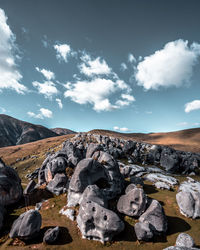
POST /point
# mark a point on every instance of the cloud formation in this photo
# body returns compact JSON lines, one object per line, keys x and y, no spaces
{"x":170,"y":66}
{"x":59,"y":103}
{"x":43,"y":113}
{"x":95,"y":92}
{"x":190,"y":106}
{"x":47,"y":88}
{"x":123,"y":67}
{"x":49,"y":75}
{"x":131,"y":58}
{"x":123,"y":129}
{"x":91,"y":67}
{"x":10,"y":76}
{"x":63,"y":52}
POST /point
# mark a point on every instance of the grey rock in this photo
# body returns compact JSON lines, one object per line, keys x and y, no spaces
{"x":137,"y":180}
{"x":170,"y":160}
{"x":155,"y":216}
{"x":185,"y":240}
{"x":51,"y":235}
{"x":92,"y":148}
{"x":58,"y":184}
{"x":161,"y":185}
{"x":163,"y":178}
{"x":143,"y":231}
{"x":2,"y":213}
{"x":30,"y":187}
{"x":98,"y":223}
{"x":10,"y":185}
{"x":133,"y":203}
{"x":130,"y":187}
{"x":27,"y":225}
{"x":70,"y":213}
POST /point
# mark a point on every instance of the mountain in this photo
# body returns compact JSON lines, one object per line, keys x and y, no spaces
{"x":15,"y":132}
{"x":62,"y":131}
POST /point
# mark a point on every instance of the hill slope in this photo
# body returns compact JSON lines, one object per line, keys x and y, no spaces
{"x":62,"y":131}
{"x":15,"y":132}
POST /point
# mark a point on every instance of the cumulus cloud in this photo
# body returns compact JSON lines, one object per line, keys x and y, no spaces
{"x":2,"y":110}
{"x":95,"y":92}
{"x":43,"y":113}
{"x":183,"y":124}
{"x":123,"y":67}
{"x":10,"y":76}
{"x":123,"y":129}
{"x":190,"y":106}
{"x":59,"y":103}
{"x":63,"y":52}
{"x":131,"y":58}
{"x":126,"y":100}
{"x":170,"y":66}
{"x":91,"y":67}
{"x":47,"y":88}
{"x":49,"y":75}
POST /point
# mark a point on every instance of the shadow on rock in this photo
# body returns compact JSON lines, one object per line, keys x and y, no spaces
{"x":150,"y":189}
{"x":177,"y":225}
{"x":127,"y":235}
{"x":37,"y":196}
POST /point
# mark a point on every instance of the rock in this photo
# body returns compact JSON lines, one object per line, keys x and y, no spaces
{"x":161,"y":185}
{"x":155,"y":216}
{"x":33,"y":175}
{"x":30,"y":187}
{"x":51,"y":235}
{"x":58,"y":185}
{"x":130,"y":187}
{"x":170,"y":160}
{"x":92,"y":148}
{"x":98,"y":223}
{"x":129,"y":170}
{"x":137,"y":181}
{"x":185,"y":240}
{"x":27,"y":225}
{"x":180,"y":248}
{"x":133,"y":203}
{"x":10,"y":185}
{"x":70,"y":213}
{"x":188,"y":198}
{"x":2,"y":212}
{"x":94,"y":193}
{"x":143,"y":231}
{"x":162,"y":178}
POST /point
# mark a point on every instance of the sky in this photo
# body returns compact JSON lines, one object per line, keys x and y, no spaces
{"x":123,"y":65}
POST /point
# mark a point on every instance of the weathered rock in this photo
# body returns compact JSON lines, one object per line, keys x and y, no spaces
{"x":27,"y":225}
{"x":170,"y":160}
{"x":98,"y":223}
{"x":137,"y":181}
{"x":74,"y":154}
{"x":51,"y":235}
{"x":92,"y":148}
{"x":58,"y":184}
{"x":30,"y":187}
{"x":130,"y":187}
{"x":161,"y":185}
{"x":94,"y":193}
{"x":129,"y":170}
{"x":133,"y":203}
{"x":188,"y":198}
{"x":162,"y":178}
{"x":2,"y":212}
{"x":70,"y":213}
{"x":155,"y":216}
{"x":185,"y":240}
{"x":10,"y":185}
{"x":143,"y":231}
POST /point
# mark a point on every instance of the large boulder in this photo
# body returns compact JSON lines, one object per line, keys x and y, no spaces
{"x":98,"y":223}
{"x":58,"y":184}
{"x":27,"y":225}
{"x":132,"y":203}
{"x":51,"y":235}
{"x":155,"y":177}
{"x":2,"y":212}
{"x":10,"y":185}
{"x":92,"y":148}
{"x":143,"y":231}
{"x":188,"y":198}
{"x":170,"y":160}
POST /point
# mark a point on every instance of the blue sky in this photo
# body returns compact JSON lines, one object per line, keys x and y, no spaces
{"x":130,"y":66}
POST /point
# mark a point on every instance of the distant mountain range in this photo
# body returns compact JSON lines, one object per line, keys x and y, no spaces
{"x":15,"y":132}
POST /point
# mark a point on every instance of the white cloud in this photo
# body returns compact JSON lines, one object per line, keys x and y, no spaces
{"x":131,"y":58}
{"x":49,"y":75}
{"x":196,"y":124}
{"x":95,"y":92}
{"x":123,"y":129}
{"x":43,"y":113}
{"x":3,"y":110}
{"x":190,"y":106}
{"x":48,"y":88}
{"x":63,"y":51}
{"x":91,"y":67}
{"x":123,"y":67}
{"x":170,"y":66}
{"x":183,"y":124}
{"x":128,"y":97}
{"x":149,"y":112}
{"x":59,"y":103}
{"x":10,"y":77}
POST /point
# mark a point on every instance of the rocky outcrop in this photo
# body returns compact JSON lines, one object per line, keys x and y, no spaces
{"x":98,"y":223}
{"x":188,"y":198}
{"x":10,"y":185}
{"x":58,"y":184}
{"x":27,"y":225}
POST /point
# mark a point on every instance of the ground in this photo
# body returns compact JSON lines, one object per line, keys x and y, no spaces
{"x":32,"y":155}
